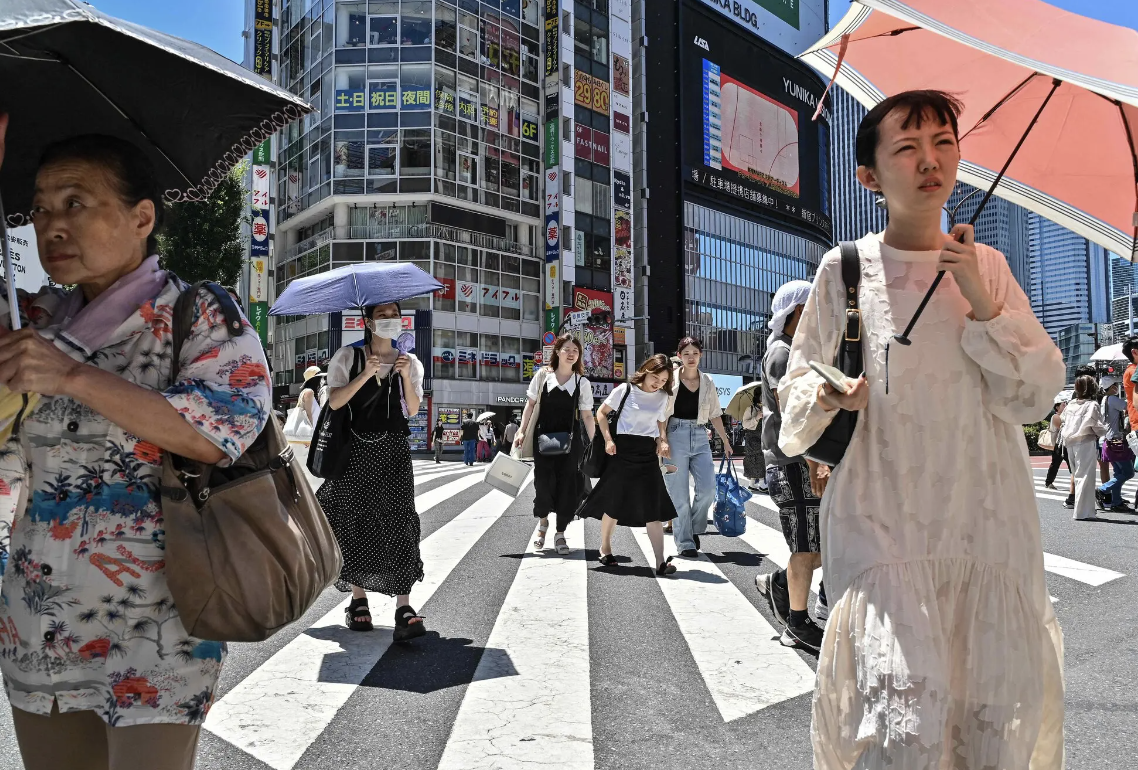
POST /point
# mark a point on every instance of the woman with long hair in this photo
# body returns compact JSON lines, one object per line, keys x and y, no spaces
{"x":371,"y":504}
{"x":1083,"y":426}
{"x":631,"y":490}
{"x":942,"y":648}
{"x":692,"y":404}
{"x":561,"y":397}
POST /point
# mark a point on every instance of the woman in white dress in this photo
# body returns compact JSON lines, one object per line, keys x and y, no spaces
{"x":942,"y":650}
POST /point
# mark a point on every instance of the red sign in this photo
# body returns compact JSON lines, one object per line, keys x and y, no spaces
{"x":590,"y":299}
{"x":620,"y":122}
{"x":447,"y":292}
{"x":583,"y":141}
{"x":600,"y":148}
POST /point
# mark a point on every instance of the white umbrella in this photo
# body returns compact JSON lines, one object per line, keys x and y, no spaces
{"x":484,"y":416}
{"x":1109,"y":353}
{"x":741,"y":401}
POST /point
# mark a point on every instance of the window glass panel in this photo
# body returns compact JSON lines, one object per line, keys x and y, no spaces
{"x":445,"y":92}
{"x":349,"y":159}
{"x":491,"y":43}
{"x":351,"y":24}
{"x":491,"y":106}
{"x":381,"y":160}
{"x":445,"y":163}
{"x":468,"y":169}
{"x":530,"y":187}
{"x":445,"y":28}
{"x":416,"y":22}
{"x":530,"y":308}
{"x":383,"y":30}
{"x":415,"y":153}
{"x":511,"y":52}
{"x":443,"y":341}
{"x":468,"y":41}
{"x":491,"y":170}
{"x":490,"y":298}
{"x":415,"y":87}
{"x":583,"y":200}
{"x":601,"y":201}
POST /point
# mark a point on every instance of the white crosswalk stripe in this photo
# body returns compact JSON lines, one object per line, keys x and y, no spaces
{"x":528,"y":700}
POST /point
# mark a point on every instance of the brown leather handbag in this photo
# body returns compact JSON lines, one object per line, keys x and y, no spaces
{"x":248,"y":547}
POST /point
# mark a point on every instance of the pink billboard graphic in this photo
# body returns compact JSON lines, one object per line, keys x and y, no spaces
{"x":760,"y":137}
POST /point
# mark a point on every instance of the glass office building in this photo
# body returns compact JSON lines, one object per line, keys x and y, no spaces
{"x":1069,"y":282}
{"x":855,"y":209}
{"x":424,"y":148}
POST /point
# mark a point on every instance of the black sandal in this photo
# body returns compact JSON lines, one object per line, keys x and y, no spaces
{"x":405,"y":630}
{"x":607,"y":560}
{"x":358,"y":609}
{"x":667,"y":568}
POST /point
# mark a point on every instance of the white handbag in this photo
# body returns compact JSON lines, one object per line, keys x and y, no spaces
{"x":507,"y":474}
{"x":297,"y":427}
{"x":1046,"y":440}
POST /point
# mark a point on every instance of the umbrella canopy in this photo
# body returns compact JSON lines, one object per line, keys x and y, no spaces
{"x":69,"y":69}
{"x":740,"y":402}
{"x":354,"y":286}
{"x":484,"y":416}
{"x":1109,"y":353}
{"x":1078,"y":166}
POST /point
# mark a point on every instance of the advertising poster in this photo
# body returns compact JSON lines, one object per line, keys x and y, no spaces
{"x":622,"y":189}
{"x":582,"y":142}
{"x":529,"y":365}
{"x":600,"y":148}
{"x":792,"y":25}
{"x":263,"y":38}
{"x":420,"y":425}
{"x":621,"y":122}
{"x":259,"y":320}
{"x":552,"y":44}
{"x":755,"y":139}
{"x":552,"y":285}
{"x":552,"y":146}
{"x":259,"y":243}
{"x":596,"y":339}
{"x":621,"y":75}
{"x":261,"y":180}
{"x":582,"y":89}
{"x":622,"y":229}
{"x":622,"y":268}
{"x":30,"y":275}
{"x":622,"y":151}
{"x":452,"y":425}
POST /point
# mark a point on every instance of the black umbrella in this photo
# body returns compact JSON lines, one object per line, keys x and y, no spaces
{"x":68,"y":69}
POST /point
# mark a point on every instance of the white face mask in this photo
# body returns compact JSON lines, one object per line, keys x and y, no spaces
{"x":388,"y":328}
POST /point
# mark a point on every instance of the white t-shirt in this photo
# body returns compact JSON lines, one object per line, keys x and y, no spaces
{"x":642,"y":410}
{"x":576,"y":381}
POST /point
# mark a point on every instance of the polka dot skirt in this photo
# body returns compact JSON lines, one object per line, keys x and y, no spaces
{"x":372,"y":511}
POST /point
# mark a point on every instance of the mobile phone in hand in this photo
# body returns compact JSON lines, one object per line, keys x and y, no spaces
{"x":834,"y":376}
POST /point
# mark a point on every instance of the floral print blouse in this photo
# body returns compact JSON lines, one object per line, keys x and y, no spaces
{"x":86,"y":617}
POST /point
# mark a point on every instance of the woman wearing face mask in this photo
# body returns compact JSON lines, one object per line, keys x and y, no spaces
{"x":631,"y":490}
{"x":371,"y":506}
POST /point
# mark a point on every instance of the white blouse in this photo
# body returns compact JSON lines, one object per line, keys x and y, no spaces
{"x":1082,"y":420}
{"x":642,"y":411}
{"x":547,"y":379}
{"x":340,"y":370}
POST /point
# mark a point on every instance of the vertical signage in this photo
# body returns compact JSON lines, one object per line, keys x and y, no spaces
{"x":552,"y":145}
{"x":552,"y":44}
{"x":552,"y":157}
{"x":260,"y":203}
{"x":621,"y":151}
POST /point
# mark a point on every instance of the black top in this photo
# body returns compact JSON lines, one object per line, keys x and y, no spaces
{"x":438,"y":431}
{"x":775,"y":363}
{"x":557,"y":407}
{"x":377,"y":407}
{"x":687,"y":403}
{"x":470,"y":431}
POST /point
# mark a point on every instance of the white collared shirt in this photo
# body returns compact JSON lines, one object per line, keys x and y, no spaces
{"x":546,"y":378}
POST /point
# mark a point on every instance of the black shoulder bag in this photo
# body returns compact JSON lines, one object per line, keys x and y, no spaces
{"x":332,"y":437}
{"x":561,"y":442}
{"x":596,"y":458}
{"x":831,"y":446}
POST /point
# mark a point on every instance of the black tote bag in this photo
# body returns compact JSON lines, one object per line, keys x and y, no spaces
{"x":332,"y":437}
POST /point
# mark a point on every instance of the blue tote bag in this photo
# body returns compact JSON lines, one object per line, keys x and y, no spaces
{"x":730,"y":502}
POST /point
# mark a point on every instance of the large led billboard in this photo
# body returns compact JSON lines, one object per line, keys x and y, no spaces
{"x":748,"y":132}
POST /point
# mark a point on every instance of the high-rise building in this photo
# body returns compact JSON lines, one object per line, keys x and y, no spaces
{"x":855,"y":208}
{"x":733,"y":193}
{"x":425,"y":148}
{"x":1123,"y":287}
{"x":1069,"y":277}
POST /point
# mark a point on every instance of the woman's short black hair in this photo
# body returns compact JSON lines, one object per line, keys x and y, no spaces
{"x":917,"y":106}
{"x":1128,"y":349}
{"x":132,"y":170}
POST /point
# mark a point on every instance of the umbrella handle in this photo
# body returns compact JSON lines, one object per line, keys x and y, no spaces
{"x":9,"y":271}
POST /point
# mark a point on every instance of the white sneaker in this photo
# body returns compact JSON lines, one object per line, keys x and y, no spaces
{"x":821,"y":608}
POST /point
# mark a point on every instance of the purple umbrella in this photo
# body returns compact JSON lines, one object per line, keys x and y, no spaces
{"x":354,"y":286}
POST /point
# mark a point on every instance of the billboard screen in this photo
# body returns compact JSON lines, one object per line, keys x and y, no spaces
{"x":747,"y":126}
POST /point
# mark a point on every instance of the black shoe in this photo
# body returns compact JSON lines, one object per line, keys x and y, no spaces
{"x":807,"y":636}
{"x":1121,"y":508}
{"x":778,"y":597}
{"x":607,"y":560}
{"x":666,"y":568}
{"x":405,"y":630}
{"x":696,"y":539}
{"x":689,"y":553}
{"x":357,"y":616}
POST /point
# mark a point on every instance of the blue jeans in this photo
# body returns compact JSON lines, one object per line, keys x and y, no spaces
{"x":1123,"y":472}
{"x":691,"y":455}
{"x":468,"y":451}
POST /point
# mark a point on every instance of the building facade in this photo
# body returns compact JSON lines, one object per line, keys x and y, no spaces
{"x":733,"y":175}
{"x":855,"y":208}
{"x":1069,"y":279}
{"x":1002,"y":225}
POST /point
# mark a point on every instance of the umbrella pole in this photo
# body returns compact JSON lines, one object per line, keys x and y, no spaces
{"x":9,"y":272}
{"x":903,"y":338}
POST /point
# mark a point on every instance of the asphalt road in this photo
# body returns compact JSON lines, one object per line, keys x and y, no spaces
{"x":537,"y":659}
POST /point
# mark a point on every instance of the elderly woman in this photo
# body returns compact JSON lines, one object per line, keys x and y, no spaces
{"x":98,"y":667}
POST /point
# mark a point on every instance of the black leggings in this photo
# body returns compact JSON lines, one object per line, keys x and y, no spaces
{"x":1058,"y":457}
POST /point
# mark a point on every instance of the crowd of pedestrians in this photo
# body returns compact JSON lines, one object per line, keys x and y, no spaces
{"x":940,"y":646}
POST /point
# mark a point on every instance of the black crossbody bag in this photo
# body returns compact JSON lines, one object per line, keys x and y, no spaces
{"x":831,"y":446}
{"x":596,"y":458}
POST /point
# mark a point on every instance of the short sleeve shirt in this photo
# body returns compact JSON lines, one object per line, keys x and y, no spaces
{"x":340,"y":369}
{"x":1128,"y":388}
{"x":584,"y":396}
{"x":642,"y":411}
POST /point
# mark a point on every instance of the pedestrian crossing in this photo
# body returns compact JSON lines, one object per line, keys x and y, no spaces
{"x":533,"y":695}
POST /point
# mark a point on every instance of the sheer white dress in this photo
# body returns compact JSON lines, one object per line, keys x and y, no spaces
{"x":942,"y":651}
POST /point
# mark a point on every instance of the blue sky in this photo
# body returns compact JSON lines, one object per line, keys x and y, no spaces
{"x":217,"y":23}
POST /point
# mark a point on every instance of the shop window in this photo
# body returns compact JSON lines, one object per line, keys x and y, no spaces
{"x":466,"y":287}
{"x":415,"y":87}
{"x":415,"y":19}
{"x":383,"y":30}
{"x":468,"y":169}
{"x":351,"y":25}
{"x":467,"y":346}
{"x":349,"y":157}
{"x":490,"y":297}
{"x":446,"y":30}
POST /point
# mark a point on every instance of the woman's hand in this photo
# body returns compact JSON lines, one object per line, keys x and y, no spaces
{"x":663,"y":449}
{"x":854,"y":399}
{"x":959,"y":257}
{"x":610,"y":446}
{"x":819,"y":477}
{"x":402,"y":365}
{"x":519,"y":438}
{"x":31,"y":364}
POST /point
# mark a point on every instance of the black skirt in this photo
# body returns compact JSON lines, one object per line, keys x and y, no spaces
{"x":632,"y":488}
{"x":558,"y":483}
{"x":371,"y":508}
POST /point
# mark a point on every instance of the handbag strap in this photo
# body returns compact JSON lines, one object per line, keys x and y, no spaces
{"x":849,"y":355}
{"x":730,"y":467}
{"x":619,"y":409}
